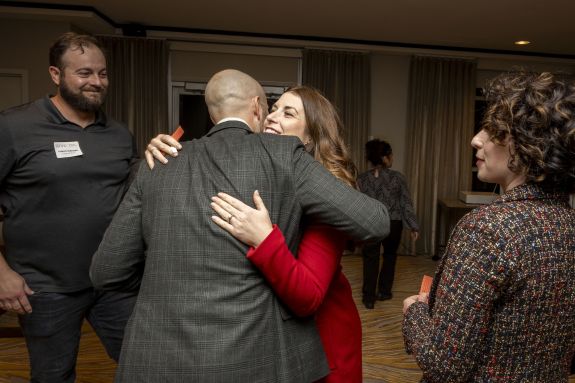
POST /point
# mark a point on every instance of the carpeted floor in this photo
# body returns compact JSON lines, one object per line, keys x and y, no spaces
{"x":383,"y":354}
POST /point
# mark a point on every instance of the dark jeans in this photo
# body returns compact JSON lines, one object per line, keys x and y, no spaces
{"x":53,"y":329}
{"x":371,"y":253}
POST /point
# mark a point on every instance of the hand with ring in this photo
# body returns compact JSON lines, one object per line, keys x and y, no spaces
{"x":249,"y":225}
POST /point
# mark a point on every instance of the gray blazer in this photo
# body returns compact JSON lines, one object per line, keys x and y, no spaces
{"x":204,"y":313}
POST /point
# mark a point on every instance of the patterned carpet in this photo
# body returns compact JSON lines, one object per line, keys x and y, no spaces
{"x":383,"y":354}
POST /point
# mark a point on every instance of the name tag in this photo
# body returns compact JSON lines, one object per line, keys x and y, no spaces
{"x":67,"y":149}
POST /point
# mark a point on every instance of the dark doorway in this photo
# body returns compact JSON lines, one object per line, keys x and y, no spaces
{"x":194,"y":117}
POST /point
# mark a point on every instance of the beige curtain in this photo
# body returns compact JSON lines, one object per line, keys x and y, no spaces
{"x":344,"y":78}
{"x":138,"y":92}
{"x":439,"y":131}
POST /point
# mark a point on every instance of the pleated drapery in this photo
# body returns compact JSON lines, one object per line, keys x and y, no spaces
{"x":138,"y":92}
{"x":344,"y":78}
{"x":439,"y":131}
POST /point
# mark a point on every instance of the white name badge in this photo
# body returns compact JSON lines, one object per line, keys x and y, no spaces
{"x":67,"y":149}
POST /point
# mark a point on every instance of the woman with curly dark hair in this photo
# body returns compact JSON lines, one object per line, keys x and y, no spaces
{"x":502,"y":304}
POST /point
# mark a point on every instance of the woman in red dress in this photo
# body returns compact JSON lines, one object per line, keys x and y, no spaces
{"x":312,"y":283}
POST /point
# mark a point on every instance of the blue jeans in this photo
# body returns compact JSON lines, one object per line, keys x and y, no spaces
{"x":53,"y":329}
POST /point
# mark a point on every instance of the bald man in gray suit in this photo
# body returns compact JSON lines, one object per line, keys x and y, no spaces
{"x":204,"y":313}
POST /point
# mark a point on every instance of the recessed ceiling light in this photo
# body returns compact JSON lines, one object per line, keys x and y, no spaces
{"x":522,"y":42}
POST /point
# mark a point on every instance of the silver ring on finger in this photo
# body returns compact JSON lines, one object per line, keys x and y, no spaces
{"x":230,"y":219}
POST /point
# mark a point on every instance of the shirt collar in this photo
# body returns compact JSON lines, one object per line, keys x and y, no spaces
{"x":532,"y":191}
{"x":57,"y":117}
{"x":230,"y":123}
{"x":232,"y":119}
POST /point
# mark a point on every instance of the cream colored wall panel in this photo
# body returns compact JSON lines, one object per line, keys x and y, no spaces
{"x":190,"y":66}
{"x":25,"y":45}
{"x":14,"y":85}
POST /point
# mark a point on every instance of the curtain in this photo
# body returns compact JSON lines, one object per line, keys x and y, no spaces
{"x":344,"y":78}
{"x":439,"y":131}
{"x":138,"y":93}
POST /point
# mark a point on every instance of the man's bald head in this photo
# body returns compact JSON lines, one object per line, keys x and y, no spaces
{"x":231,"y":93}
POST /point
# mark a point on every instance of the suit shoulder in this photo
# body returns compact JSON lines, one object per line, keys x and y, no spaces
{"x":277,"y":140}
{"x":281,"y":146}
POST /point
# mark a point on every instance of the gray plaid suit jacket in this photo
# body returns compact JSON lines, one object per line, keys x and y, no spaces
{"x":204,"y":313}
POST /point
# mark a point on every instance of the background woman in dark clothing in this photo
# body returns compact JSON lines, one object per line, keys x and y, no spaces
{"x":389,"y":187}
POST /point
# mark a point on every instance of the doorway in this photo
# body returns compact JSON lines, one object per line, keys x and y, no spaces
{"x":189,"y":109}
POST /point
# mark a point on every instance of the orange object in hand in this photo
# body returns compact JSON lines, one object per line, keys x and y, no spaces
{"x":426,"y":284}
{"x":178,"y":133}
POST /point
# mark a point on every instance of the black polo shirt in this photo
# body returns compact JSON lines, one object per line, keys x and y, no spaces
{"x":57,"y":209}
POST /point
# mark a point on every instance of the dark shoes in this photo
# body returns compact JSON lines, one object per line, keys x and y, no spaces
{"x":383,"y":296}
{"x":369,"y":305}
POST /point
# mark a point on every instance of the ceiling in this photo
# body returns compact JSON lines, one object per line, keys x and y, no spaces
{"x":482,"y":26}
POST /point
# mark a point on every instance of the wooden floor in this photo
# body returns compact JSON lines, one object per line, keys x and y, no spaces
{"x":383,"y":354}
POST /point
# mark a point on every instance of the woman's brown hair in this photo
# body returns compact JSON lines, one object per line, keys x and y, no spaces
{"x":325,"y":128}
{"x":537,"y":111}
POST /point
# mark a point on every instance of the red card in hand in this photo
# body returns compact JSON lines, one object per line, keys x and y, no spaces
{"x":178,"y":133}
{"x":426,"y":284}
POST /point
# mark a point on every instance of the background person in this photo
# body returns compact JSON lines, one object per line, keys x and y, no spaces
{"x":502,"y":304}
{"x":389,"y":187}
{"x":58,"y":193}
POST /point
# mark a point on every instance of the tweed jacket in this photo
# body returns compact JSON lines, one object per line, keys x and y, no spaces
{"x":204,"y":312}
{"x":502,"y":304}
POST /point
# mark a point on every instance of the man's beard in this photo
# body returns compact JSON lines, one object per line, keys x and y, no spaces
{"x":80,"y":102}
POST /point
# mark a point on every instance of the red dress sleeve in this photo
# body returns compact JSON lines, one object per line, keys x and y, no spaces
{"x":301,"y":283}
